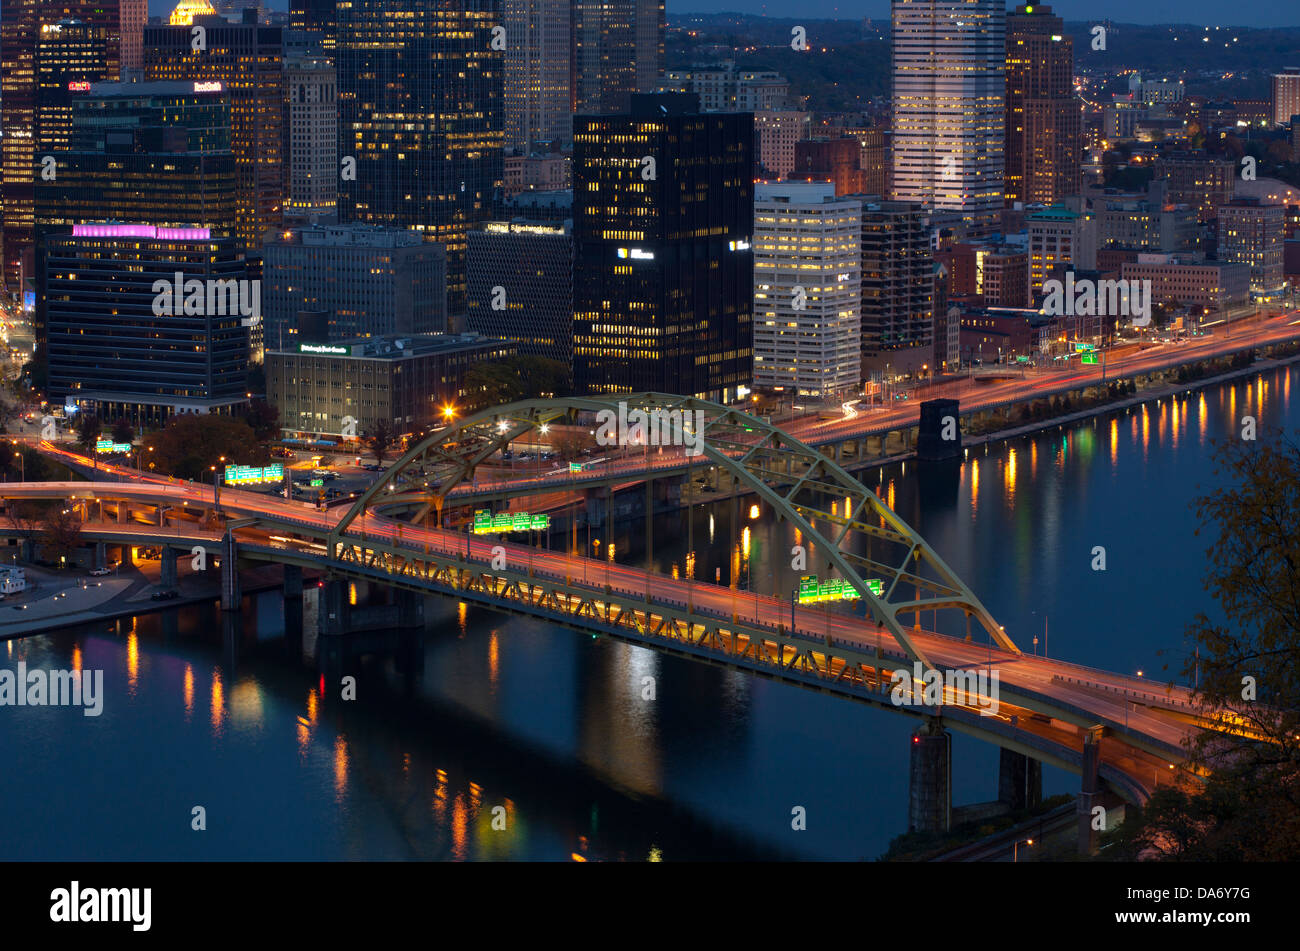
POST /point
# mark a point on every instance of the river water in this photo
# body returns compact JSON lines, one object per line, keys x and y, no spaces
{"x":486,"y":720}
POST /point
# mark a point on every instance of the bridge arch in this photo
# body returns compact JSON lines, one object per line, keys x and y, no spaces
{"x":791,"y":477}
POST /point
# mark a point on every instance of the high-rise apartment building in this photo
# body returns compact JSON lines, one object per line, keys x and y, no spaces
{"x":1252,"y":232}
{"x":949,"y":69}
{"x":618,"y":50}
{"x":420,"y":115}
{"x":1044,"y":124}
{"x":367,"y":281}
{"x":807,"y":290}
{"x":311,"y":147}
{"x":22,"y":25}
{"x":521,"y":285}
{"x":663,"y":269}
{"x":897,"y":288}
{"x":110,"y":350}
{"x":1285,"y":100}
{"x":537,"y":72}
{"x":834,"y":160}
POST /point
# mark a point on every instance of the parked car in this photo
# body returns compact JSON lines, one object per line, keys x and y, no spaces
{"x":165,"y":595}
{"x":98,"y":572}
{"x":372,"y":467}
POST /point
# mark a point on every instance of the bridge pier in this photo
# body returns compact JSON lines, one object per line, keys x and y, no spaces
{"x":123,"y":512}
{"x":101,"y":554}
{"x":410,"y":608}
{"x":930,"y":784}
{"x":333,"y":606}
{"x":1089,"y":791}
{"x":168,"y":579}
{"x":230,"y":593}
{"x":293,"y":581}
{"x":1020,"y":780}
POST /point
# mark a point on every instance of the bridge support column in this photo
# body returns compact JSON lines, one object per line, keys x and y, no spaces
{"x":123,"y":512}
{"x":1020,"y":780}
{"x":230,"y":594}
{"x":649,"y":526}
{"x":292,"y":581}
{"x":410,"y":608}
{"x":333,"y":606}
{"x":168,"y":579}
{"x":930,"y":787}
{"x":1089,"y":793}
{"x":101,"y":554}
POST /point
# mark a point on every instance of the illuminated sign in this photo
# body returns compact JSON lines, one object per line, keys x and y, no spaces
{"x":575,"y":467}
{"x":485,"y":523}
{"x":317,"y":483}
{"x":244,"y":475}
{"x":834,"y":589}
{"x":321,"y":348}
{"x":107,"y":445}
{"x":209,"y":86}
{"x":1088,"y":358}
{"x":738,"y":245}
{"x":637,"y":254}
{"x":78,"y":86}
{"x":141,"y":231}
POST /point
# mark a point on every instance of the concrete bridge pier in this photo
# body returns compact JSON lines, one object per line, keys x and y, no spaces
{"x":410,"y":608}
{"x":333,"y":606}
{"x":930,"y":786}
{"x":293,"y":603}
{"x":123,"y":513}
{"x":101,"y":554}
{"x":1020,"y":780}
{"x":1090,"y":790}
{"x":168,"y":579}
{"x":293,"y":582}
{"x":230,"y":593}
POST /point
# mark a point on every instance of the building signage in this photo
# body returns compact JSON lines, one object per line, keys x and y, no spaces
{"x":834,"y":589}
{"x":321,"y":348}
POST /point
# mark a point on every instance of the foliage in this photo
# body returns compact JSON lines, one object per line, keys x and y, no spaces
{"x":380,"y":441}
{"x":88,"y":429}
{"x":1249,"y":808}
{"x":264,"y":419}
{"x":123,"y":431}
{"x":190,"y":443}
{"x":60,"y":534}
{"x":492,"y":383}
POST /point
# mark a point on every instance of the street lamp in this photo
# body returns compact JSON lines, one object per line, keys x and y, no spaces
{"x":1015,"y":849}
{"x":22,"y":465}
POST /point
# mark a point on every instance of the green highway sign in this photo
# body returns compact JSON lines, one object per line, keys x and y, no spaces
{"x":485,"y":523}
{"x":834,"y":589}
{"x":317,"y":483}
{"x":1088,"y":358}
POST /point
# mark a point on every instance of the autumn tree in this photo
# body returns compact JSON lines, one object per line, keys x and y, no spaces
{"x":191,"y":442}
{"x":1246,"y":667}
{"x":379,"y":441}
{"x":60,"y":534}
{"x":123,"y":432}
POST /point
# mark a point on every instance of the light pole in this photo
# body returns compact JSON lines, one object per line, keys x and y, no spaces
{"x":22,"y":465}
{"x":1015,"y":849}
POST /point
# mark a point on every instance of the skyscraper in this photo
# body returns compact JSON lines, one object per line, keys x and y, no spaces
{"x":22,"y":24}
{"x":537,"y":72}
{"x":312,"y":142}
{"x":245,"y":60}
{"x":663,"y":206}
{"x":897,"y":289}
{"x":618,"y":50}
{"x":70,"y":55}
{"x":420,"y":117}
{"x":949,"y":69}
{"x":318,"y":16}
{"x":807,"y":289}
{"x":1251,"y":232}
{"x":1044,"y":125}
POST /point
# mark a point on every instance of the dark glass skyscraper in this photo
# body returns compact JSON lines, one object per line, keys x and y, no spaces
{"x":618,"y":50}
{"x":318,"y":16}
{"x":22,"y":25}
{"x":420,"y":91}
{"x":663,"y":271}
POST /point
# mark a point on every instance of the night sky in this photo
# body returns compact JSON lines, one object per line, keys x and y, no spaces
{"x":1201,"y":12}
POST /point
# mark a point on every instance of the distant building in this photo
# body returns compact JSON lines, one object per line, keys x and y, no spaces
{"x":778,"y":133}
{"x":833,"y":160}
{"x":1058,"y":235}
{"x":537,"y":72}
{"x":1207,"y":286}
{"x":663,"y":270}
{"x":541,"y":171}
{"x":723,"y":88}
{"x":1043,"y":119}
{"x":1197,"y":179}
{"x":371,"y":282}
{"x":1251,"y":233}
{"x":1285,"y":100}
{"x":521,"y":286}
{"x":403,"y":381}
{"x":897,"y":289}
{"x":312,"y":149}
{"x":807,"y":290}
{"x":618,"y":50}
{"x":112,"y":353}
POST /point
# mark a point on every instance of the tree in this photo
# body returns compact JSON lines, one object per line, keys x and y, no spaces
{"x":88,"y":429}
{"x":123,"y":432}
{"x":190,"y":443}
{"x":60,"y":534}
{"x":379,"y":441}
{"x":264,"y":420}
{"x":1246,"y":665}
{"x":515,"y":378}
